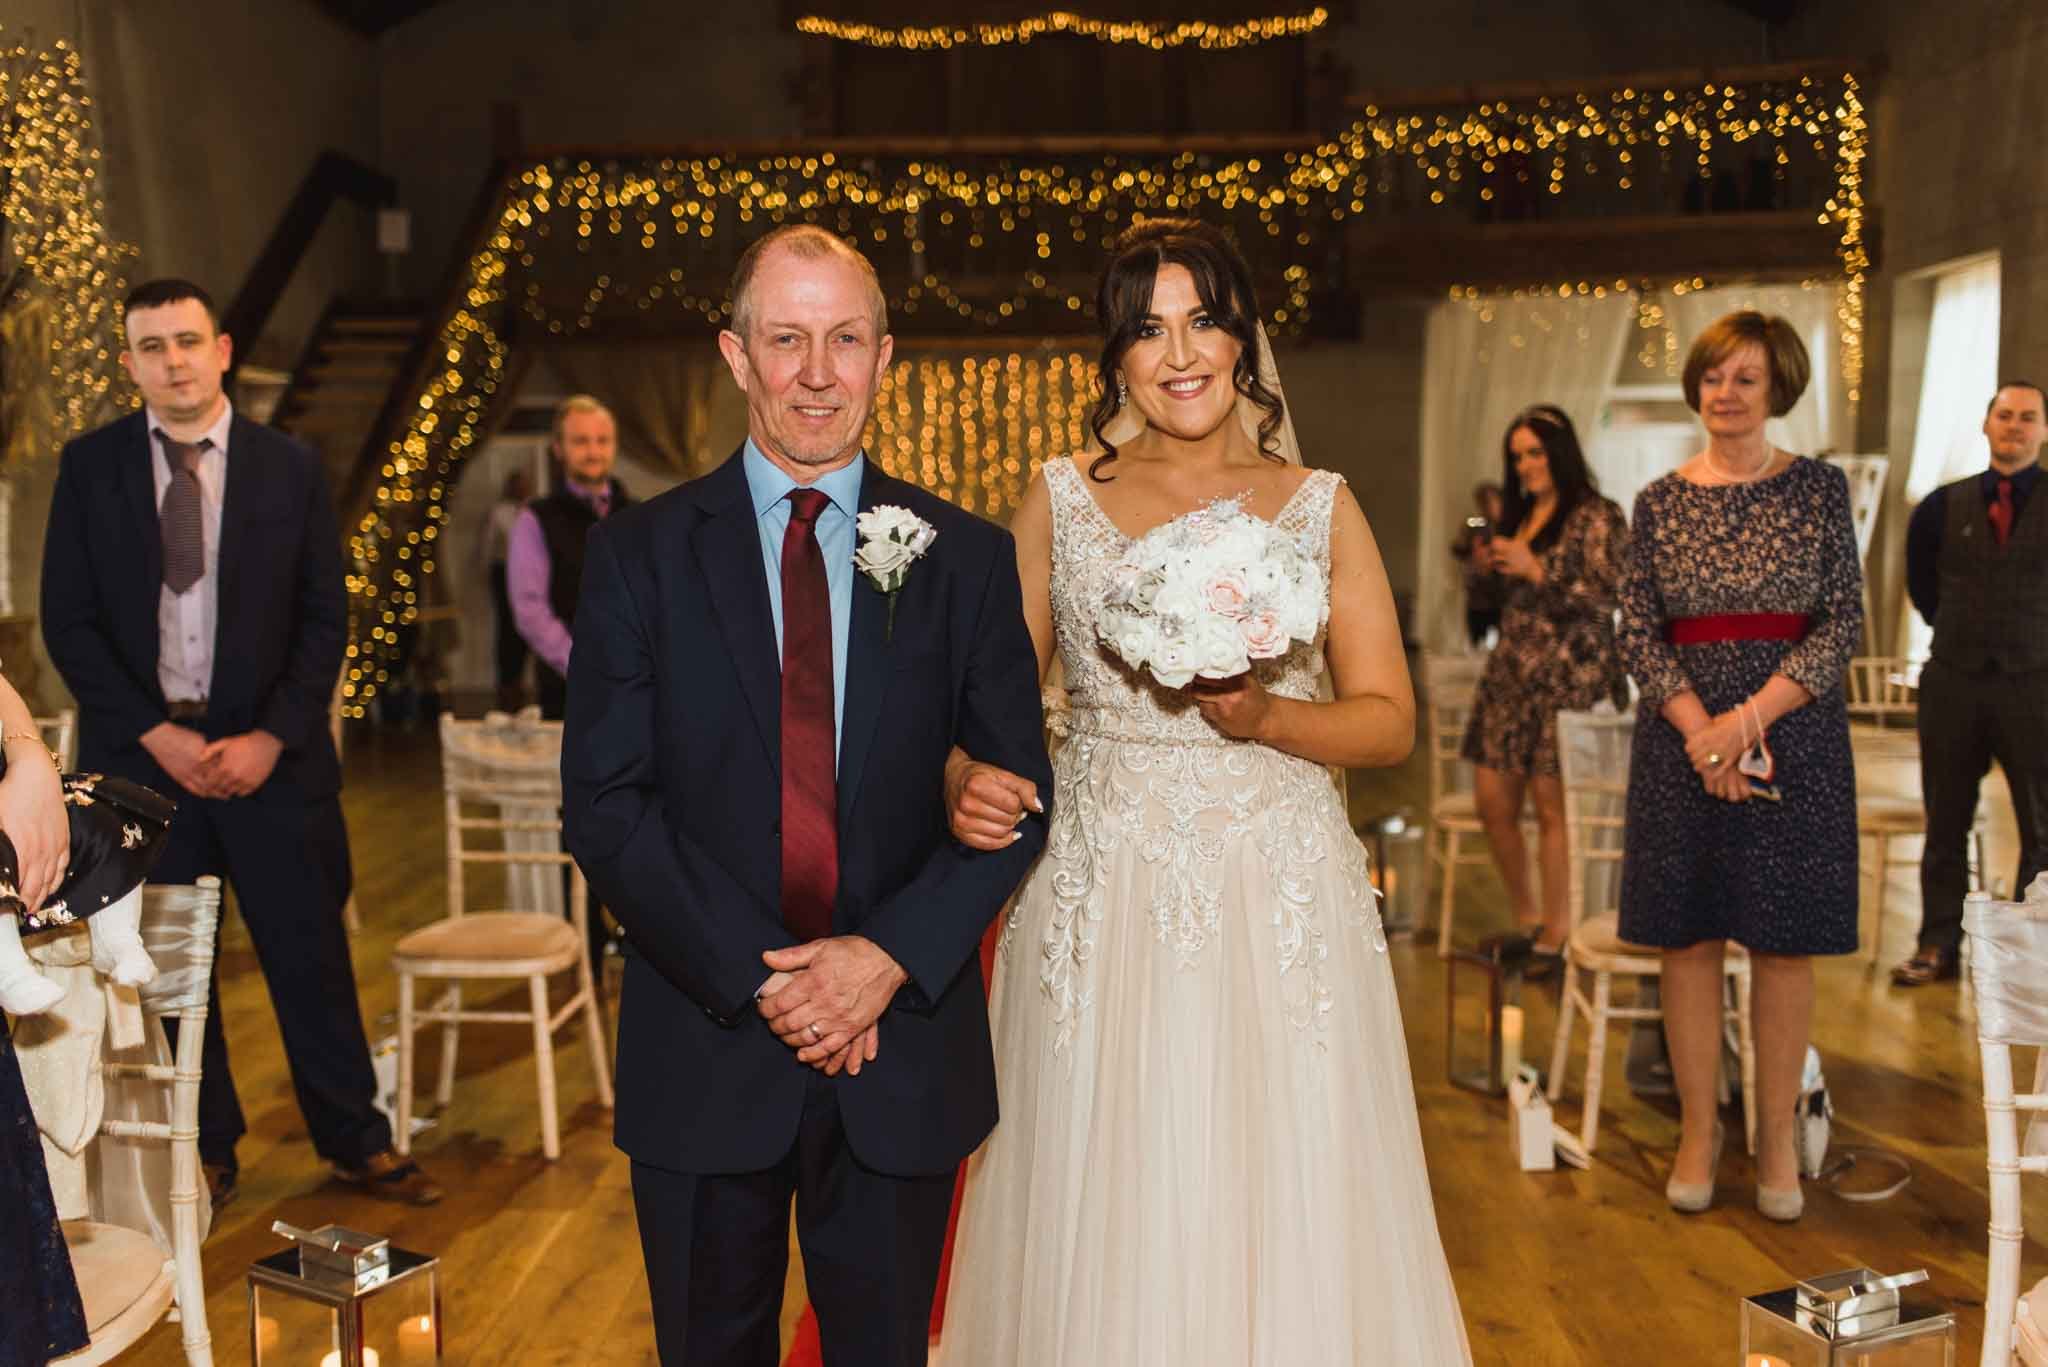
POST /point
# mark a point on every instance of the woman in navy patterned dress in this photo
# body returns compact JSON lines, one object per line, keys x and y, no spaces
{"x":1741,"y":608}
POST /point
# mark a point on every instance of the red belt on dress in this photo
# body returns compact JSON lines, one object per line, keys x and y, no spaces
{"x":1738,"y":626}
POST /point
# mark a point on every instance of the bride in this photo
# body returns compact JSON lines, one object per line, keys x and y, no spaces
{"x":1208,"y":1151}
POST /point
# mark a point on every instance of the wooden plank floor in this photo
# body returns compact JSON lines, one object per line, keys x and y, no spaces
{"x":541,"y":1262}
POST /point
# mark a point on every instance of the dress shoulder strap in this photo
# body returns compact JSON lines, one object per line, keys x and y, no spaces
{"x":1309,"y":513}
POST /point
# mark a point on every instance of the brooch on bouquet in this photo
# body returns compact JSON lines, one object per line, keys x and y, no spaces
{"x":1208,"y":593}
{"x":892,"y":539}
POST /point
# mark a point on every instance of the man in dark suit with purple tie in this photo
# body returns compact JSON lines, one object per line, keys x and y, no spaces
{"x":193,"y":600}
{"x":755,"y":749}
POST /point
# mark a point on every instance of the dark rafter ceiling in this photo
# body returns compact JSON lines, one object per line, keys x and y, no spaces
{"x":1770,"y":11}
{"x":372,"y":17}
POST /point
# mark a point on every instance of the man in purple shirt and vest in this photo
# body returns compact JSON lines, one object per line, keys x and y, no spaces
{"x":1977,"y":570}
{"x":544,"y":562}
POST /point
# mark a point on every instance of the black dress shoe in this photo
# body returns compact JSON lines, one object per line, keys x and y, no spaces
{"x":222,"y":1184}
{"x":391,"y":1178}
{"x":1931,"y":964}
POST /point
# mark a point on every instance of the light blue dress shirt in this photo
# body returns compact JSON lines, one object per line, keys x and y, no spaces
{"x":835,"y":531}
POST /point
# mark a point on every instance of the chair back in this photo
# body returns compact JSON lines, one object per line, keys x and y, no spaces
{"x":1593,"y":755}
{"x":1866,"y":495}
{"x":180,"y":924}
{"x":1883,"y":689}
{"x":60,"y":734}
{"x":2009,"y":969}
{"x":502,"y":788}
{"x":1449,"y":681}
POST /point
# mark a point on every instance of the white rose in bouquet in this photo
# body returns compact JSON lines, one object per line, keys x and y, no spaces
{"x":1207,"y":594}
{"x":1264,"y":637}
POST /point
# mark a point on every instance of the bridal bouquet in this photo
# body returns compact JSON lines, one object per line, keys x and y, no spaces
{"x":1208,"y":593}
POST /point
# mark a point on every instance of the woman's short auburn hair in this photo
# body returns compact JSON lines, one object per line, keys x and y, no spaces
{"x":1791,"y":367}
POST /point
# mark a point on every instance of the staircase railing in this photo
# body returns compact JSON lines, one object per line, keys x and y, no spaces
{"x":333,"y":178}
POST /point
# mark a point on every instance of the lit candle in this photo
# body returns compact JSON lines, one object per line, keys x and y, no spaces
{"x":1764,"y":1360}
{"x":1510,"y":1042}
{"x":333,"y":1358}
{"x":416,"y":1339}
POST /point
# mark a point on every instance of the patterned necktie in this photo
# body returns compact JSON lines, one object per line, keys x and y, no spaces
{"x":2001,"y":511}
{"x":184,"y":532}
{"x":810,"y":789}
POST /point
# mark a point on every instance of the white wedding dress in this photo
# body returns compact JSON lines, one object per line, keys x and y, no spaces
{"x":1208,"y":1152}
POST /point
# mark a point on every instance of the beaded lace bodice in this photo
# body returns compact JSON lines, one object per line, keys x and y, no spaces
{"x":1153,"y":800}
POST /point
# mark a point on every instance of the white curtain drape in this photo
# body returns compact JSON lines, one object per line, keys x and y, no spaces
{"x":1484,"y":362}
{"x":1820,"y":420}
{"x":1959,"y":378}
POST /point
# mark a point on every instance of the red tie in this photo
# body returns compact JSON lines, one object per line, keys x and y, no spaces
{"x":2001,"y":511}
{"x":810,"y":789}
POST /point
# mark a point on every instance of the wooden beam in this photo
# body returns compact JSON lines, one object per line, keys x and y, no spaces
{"x":1458,"y":96}
{"x":1076,"y":145}
{"x":1426,"y":258}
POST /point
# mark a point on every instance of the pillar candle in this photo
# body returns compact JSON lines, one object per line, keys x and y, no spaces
{"x":333,"y":1358}
{"x":416,"y":1339}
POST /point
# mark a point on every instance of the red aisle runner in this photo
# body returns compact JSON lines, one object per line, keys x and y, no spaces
{"x":804,"y":1350}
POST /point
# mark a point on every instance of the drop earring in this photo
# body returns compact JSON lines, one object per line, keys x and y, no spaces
{"x":1123,"y":392}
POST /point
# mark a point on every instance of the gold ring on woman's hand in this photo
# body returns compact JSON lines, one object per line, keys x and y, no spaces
{"x":1714,"y":760}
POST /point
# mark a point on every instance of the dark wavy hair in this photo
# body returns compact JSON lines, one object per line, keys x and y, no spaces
{"x":1224,"y":284}
{"x":1568,"y":471}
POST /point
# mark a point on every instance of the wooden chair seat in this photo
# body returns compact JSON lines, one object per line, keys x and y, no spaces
{"x":1890,"y":813}
{"x":2030,"y":1327}
{"x":125,"y":1281}
{"x":1596,"y":944}
{"x":490,"y":944}
{"x":1457,"y":809}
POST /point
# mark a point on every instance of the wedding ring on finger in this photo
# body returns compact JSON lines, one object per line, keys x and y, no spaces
{"x":1714,"y":761}
{"x":816,"y":1034}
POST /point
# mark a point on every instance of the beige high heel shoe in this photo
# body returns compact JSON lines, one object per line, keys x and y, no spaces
{"x":1783,"y":1204}
{"x":1691,"y":1198}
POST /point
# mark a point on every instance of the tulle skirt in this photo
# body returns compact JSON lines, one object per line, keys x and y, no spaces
{"x":1208,"y":1151}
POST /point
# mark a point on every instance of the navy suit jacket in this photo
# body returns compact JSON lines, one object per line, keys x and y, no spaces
{"x":672,"y":803}
{"x":282,"y":618}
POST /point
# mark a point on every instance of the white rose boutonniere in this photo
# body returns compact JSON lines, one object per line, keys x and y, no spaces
{"x":892,"y":539}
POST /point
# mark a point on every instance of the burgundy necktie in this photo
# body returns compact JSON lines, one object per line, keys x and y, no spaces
{"x":2001,"y":511}
{"x":810,"y":788}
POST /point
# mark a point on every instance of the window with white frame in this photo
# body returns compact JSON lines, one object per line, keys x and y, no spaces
{"x":1958,"y":378}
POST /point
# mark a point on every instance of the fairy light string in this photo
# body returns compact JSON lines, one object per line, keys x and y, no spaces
{"x":1005,"y":245}
{"x":61,"y":267}
{"x":1158,"y":36}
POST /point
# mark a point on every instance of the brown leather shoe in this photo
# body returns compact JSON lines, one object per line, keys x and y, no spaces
{"x":387,"y":1176}
{"x":1931,"y":964}
{"x":222,"y":1184}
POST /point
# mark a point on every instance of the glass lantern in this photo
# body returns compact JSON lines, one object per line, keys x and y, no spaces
{"x":1483,"y":1028}
{"x":343,"y":1298}
{"x":1400,"y":870}
{"x":1854,"y":1318}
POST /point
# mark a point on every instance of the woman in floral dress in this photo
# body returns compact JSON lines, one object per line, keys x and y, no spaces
{"x":1560,"y":550}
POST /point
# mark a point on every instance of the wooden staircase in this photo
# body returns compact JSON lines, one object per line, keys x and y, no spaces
{"x":341,"y":384}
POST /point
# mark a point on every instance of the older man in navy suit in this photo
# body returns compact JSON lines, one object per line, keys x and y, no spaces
{"x":193,"y":600}
{"x":756,"y":744}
